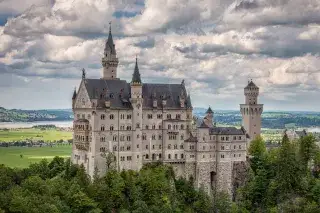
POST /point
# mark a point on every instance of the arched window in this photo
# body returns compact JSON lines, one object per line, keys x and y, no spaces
{"x":147,"y":127}
{"x":103,"y":117}
{"x":153,"y":126}
{"x":153,"y":137}
{"x":169,"y":156}
{"x":102,"y":128}
{"x":182,"y":156}
{"x":111,"y":117}
{"x":182,"y":126}
{"x":169,"y":126}
{"x":169,"y":146}
{"x":181,"y":137}
{"x":147,"y":156}
{"x":111,"y":128}
{"x":153,"y":156}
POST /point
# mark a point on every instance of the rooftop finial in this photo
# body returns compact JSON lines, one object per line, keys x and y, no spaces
{"x":110,"y":27}
{"x":83,"y":73}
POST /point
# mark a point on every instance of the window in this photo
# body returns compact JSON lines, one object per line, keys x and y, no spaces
{"x":122,"y":138}
{"x":234,"y":155}
{"x":191,"y":156}
{"x":121,"y":127}
{"x":239,"y":146}
{"x":153,"y":137}
{"x":227,"y":138}
{"x":222,"y":147}
{"x":160,"y":127}
{"x":103,"y":139}
{"x":178,"y":116}
{"x":160,"y":156}
{"x":138,"y":146}
{"x":147,"y":156}
{"x":102,"y":128}
{"x":147,"y":127}
{"x":234,"y":147}
{"x":138,"y":156}
{"x":111,"y":128}
{"x":203,"y":156}
{"x":122,"y":116}
{"x":103,"y":117}
{"x":147,"y":147}
{"x":168,"y":116}
{"x":169,"y":126}
{"x":175,"y":146}
{"x":149,"y":116}
{"x":128,"y":116}
{"x":191,"y":147}
{"x":114,"y":138}
{"x":181,"y":137}
{"x":169,"y":156}
{"x":111,"y":117}
{"x":160,"y":146}
{"x":222,"y":138}
{"x":128,"y":148}
{"x":152,"y":146}
{"x":204,"y":148}
{"x":222,"y":156}
{"x":153,"y":126}
{"x":160,"y":137}
{"x":169,"y":146}
{"x":239,"y":137}
{"x":137,"y":125}
{"x":144,"y":137}
{"x":128,"y":127}
{"x":138,"y":136}
{"x":182,"y":156}
{"x":175,"y":156}
{"x":234,"y":137}
{"x":159,"y":116}
{"x":182,"y":126}
{"x":181,"y":146}
{"x":114,"y":148}
{"x":128,"y":138}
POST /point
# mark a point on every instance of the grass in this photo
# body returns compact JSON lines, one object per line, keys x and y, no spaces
{"x":10,"y":156}
{"x":34,"y":134}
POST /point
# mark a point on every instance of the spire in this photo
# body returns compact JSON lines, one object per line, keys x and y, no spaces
{"x":83,"y":73}
{"x":110,"y":45}
{"x":74,"y":94}
{"x":209,"y":110}
{"x":251,"y":85}
{"x":136,"y":74}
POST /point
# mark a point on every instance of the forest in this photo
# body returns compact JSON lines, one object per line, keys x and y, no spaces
{"x":284,"y":179}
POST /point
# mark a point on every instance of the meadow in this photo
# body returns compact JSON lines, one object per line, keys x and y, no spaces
{"x":50,"y":134}
{"x":10,"y":156}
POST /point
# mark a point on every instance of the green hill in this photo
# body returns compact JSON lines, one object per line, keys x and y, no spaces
{"x":18,"y":115}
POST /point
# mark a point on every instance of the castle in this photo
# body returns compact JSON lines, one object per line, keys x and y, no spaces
{"x":141,"y":123}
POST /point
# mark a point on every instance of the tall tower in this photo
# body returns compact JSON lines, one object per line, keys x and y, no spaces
{"x":109,"y":60}
{"x":251,"y":111}
{"x":136,"y":101}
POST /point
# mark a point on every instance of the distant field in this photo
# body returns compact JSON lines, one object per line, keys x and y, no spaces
{"x":34,"y":134}
{"x":10,"y":156}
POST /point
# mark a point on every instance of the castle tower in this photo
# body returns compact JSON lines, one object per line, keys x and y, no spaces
{"x":251,"y":111}
{"x":136,"y":101}
{"x":74,"y":97}
{"x":109,"y":60}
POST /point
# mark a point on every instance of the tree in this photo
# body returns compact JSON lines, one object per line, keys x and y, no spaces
{"x":110,"y":160}
{"x":307,"y":147}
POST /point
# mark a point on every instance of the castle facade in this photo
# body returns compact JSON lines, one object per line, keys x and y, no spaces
{"x":141,"y":122}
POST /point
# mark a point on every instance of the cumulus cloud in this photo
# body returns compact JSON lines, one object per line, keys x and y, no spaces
{"x":216,"y":46}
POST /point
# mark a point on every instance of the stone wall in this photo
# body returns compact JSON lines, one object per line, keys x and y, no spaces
{"x":203,"y":175}
{"x":239,"y":175}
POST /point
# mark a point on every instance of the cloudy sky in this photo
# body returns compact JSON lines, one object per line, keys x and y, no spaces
{"x":215,"y":45}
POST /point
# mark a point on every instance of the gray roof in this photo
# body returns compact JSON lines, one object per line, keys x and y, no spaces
{"x":203,"y":125}
{"x":168,"y":92}
{"x":136,"y":74}
{"x":118,"y":92}
{"x":251,"y":85}
{"x":226,"y":131}
{"x":109,"y":44}
{"x":209,"y":110}
{"x":74,"y":94}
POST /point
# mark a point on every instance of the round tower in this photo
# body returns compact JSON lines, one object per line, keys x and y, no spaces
{"x":251,"y":111}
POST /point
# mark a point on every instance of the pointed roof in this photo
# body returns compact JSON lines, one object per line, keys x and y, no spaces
{"x":136,"y":74}
{"x":209,"y":111}
{"x":74,"y":94}
{"x":110,"y":43}
{"x":251,"y":85}
{"x":203,"y":125}
{"x":83,"y":73}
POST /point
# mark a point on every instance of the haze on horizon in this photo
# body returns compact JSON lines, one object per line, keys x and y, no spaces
{"x":215,"y":46}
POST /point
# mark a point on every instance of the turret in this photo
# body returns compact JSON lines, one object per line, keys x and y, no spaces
{"x":208,"y":119}
{"x":136,"y":102}
{"x":109,"y":60}
{"x":251,"y":92}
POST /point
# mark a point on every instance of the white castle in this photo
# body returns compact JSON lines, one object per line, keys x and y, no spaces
{"x":142,"y":122}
